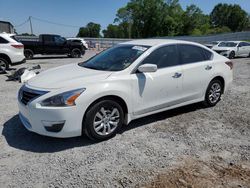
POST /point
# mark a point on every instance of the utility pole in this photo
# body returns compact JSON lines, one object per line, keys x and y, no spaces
{"x":31,"y":29}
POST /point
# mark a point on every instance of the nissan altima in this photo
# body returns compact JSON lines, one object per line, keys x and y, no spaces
{"x":129,"y":81}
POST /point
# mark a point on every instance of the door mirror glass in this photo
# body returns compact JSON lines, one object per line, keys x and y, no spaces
{"x":147,"y":68}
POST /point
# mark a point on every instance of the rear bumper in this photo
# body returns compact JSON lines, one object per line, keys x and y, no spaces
{"x":19,"y":62}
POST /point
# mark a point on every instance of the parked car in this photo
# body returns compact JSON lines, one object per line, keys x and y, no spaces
{"x":232,"y":49}
{"x":212,"y":44}
{"x":126,"y":82}
{"x":11,"y":51}
{"x":81,"y":40}
{"x":52,"y":44}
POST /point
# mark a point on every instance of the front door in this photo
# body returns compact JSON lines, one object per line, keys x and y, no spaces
{"x":160,"y":89}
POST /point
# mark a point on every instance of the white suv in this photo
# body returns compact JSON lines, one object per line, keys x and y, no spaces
{"x":123,"y":83}
{"x":11,"y":51}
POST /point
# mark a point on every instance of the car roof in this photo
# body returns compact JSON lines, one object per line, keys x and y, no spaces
{"x":156,"y":42}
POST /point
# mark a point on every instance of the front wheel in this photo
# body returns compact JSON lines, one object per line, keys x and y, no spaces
{"x":103,"y":120}
{"x":4,"y":65}
{"x":232,"y":55}
{"x":213,"y":93}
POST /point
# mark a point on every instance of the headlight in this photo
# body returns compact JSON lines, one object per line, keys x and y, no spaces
{"x":64,"y":99}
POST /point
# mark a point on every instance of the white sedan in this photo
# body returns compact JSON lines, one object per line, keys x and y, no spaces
{"x":232,"y":49}
{"x":126,"y":82}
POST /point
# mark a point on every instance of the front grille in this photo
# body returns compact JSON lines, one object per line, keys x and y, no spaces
{"x":27,"y":95}
{"x":220,"y":51}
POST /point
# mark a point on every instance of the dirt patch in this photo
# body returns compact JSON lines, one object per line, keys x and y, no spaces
{"x":195,"y":173}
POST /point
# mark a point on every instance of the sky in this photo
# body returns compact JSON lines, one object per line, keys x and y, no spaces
{"x":78,"y":13}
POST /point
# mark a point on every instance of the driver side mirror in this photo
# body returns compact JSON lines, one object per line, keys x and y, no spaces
{"x":147,"y":68}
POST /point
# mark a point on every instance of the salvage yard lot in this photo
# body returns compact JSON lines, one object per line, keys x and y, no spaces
{"x":192,"y":145}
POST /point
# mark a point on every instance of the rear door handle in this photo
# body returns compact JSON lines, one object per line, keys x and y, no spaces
{"x":177,"y":75}
{"x":208,"y":67}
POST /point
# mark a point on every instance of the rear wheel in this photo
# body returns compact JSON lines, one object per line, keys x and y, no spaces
{"x":28,"y":54}
{"x":4,"y":65}
{"x":76,"y":53}
{"x":103,"y":120}
{"x":232,"y":55}
{"x":213,"y":93}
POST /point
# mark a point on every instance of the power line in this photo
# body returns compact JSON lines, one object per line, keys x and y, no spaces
{"x":50,"y":22}
{"x":19,"y":25}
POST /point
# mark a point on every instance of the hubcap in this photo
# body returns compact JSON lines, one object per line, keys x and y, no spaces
{"x":2,"y":66}
{"x":106,"y":121}
{"x":214,"y":93}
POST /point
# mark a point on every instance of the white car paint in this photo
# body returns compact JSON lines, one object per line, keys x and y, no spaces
{"x":85,"y":44}
{"x":143,"y":93}
{"x":13,"y":49}
{"x":241,"y":49}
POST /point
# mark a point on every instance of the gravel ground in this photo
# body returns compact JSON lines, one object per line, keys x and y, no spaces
{"x":179,"y":148}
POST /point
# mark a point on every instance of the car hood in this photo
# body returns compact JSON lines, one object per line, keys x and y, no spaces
{"x":67,"y":75}
{"x":222,"y":48}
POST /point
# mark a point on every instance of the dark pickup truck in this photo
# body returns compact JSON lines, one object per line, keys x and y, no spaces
{"x":52,"y":44}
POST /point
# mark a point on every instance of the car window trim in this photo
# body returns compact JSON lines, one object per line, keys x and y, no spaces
{"x":134,"y":71}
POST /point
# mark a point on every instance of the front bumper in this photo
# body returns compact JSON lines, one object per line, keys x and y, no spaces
{"x":224,"y":53}
{"x":54,"y":122}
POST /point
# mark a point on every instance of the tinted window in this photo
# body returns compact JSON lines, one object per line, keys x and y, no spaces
{"x":3,"y":41}
{"x":47,"y":38}
{"x":191,"y":54}
{"x":163,"y":57}
{"x":245,"y":44}
{"x":208,"y":54}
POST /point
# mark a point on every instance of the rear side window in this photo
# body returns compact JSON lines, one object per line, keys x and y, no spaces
{"x":208,"y":54}
{"x":192,"y":54}
{"x":3,"y":41}
{"x":166,"y":56}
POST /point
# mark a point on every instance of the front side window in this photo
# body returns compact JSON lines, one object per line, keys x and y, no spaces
{"x":59,"y":39}
{"x":115,"y":59}
{"x":166,"y":56}
{"x":192,"y":54}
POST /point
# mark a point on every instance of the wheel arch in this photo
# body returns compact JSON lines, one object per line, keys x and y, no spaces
{"x":116,"y":98}
{"x":6,"y":57}
{"x":221,"y":79}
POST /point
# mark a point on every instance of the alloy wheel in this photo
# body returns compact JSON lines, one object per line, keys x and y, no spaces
{"x":3,"y":66}
{"x":106,"y":121}
{"x":214,"y":93}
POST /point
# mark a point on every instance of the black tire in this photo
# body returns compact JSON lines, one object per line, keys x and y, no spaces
{"x":76,"y":53}
{"x":4,"y":65}
{"x":232,"y":55}
{"x":92,"y":115}
{"x":29,"y":54}
{"x":211,"y":99}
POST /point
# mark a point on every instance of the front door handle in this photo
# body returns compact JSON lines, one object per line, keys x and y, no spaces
{"x":208,"y":67}
{"x":177,"y":75}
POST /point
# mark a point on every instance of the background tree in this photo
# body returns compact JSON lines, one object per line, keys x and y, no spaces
{"x":195,"y":22}
{"x":90,"y":30}
{"x":113,"y":31}
{"x":231,"y":16}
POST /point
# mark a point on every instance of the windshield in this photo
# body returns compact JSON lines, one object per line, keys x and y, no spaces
{"x":228,"y":44}
{"x":115,"y":59}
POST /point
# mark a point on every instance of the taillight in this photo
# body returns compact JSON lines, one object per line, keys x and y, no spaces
{"x":19,"y":46}
{"x":230,"y":64}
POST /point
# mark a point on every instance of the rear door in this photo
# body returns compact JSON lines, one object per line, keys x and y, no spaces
{"x":197,"y":67}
